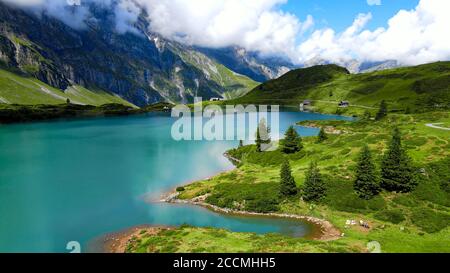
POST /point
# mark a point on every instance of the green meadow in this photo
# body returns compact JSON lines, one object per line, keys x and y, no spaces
{"x":401,"y":222}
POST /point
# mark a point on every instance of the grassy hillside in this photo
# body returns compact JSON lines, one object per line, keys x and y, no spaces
{"x":419,"y":88}
{"x":19,"y":89}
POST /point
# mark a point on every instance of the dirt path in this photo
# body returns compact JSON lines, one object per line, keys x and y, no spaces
{"x":435,"y":126}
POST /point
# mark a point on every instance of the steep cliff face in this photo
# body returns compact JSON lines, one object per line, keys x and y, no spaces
{"x":140,"y":67}
{"x":258,"y":68}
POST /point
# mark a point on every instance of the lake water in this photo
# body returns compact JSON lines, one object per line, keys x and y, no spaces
{"x":75,"y":180}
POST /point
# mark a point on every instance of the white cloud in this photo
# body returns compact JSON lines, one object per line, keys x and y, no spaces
{"x":253,"y":24}
{"x":374,"y":2}
{"x":412,"y":37}
{"x":257,"y":25}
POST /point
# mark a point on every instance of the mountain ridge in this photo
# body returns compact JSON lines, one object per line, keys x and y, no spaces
{"x":135,"y":67}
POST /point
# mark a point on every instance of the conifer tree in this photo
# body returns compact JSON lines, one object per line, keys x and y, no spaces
{"x":292,"y":142}
{"x":382,"y":112}
{"x":366,"y":183}
{"x":287,"y":182}
{"x":396,"y":171}
{"x":262,"y":136}
{"x":241,"y":143}
{"x":322,"y":136}
{"x":314,"y":188}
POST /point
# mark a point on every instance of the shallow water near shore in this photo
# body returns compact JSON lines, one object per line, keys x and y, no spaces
{"x":76,"y":180}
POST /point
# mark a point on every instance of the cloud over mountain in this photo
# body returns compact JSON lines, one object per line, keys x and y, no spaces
{"x":411,"y":37}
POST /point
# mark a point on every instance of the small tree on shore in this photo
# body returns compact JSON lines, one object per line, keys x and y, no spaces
{"x":314,"y":188}
{"x":262,"y":136}
{"x":367,"y":115}
{"x":68,"y":101}
{"x":366,"y":183}
{"x":241,"y":143}
{"x":396,"y":170}
{"x":292,"y":141}
{"x":322,"y":136}
{"x":382,"y":112}
{"x":287,"y":182}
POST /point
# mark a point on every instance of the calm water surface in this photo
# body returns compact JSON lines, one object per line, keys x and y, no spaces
{"x":75,"y":180}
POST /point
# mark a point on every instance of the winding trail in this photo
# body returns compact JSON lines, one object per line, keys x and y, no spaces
{"x":435,"y":126}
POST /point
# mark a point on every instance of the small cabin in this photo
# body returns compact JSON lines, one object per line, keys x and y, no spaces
{"x":344,"y":104}
{"x":307,"y":102}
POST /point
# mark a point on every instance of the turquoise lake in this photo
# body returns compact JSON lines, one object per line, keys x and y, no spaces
{"x":75,"y":180}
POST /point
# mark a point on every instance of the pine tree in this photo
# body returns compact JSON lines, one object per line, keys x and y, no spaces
{"x":382,"y":112}
{"x":292,"y":142}
{"x":287,"y":182}
{"x":367,"y":115}
{"x":396,"y":171}
{"x":314,"y":188}
{"x":322,"y":136}
{"x":366,"y":183}
{"x":262,"y":136}
{"x":241,"y":143}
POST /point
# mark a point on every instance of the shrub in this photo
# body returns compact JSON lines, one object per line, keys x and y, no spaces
{"x":273,"y":158}
{"x":394,"y":216}
{"x":376,"y":203}
{"x":180,"y":189}
{"x":429,"y":220}
{"x":405,"y":200}
{"x":257,"y":197}
{"x":240,"y":152}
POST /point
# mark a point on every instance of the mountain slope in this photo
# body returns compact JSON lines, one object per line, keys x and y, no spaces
{"x":20,"y":89}
{"x":140,"y":67}
{"x":249,"y":63}
{"x":420,"y":87}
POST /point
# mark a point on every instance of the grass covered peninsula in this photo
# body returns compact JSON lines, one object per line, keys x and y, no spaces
{"x":413,"y":220}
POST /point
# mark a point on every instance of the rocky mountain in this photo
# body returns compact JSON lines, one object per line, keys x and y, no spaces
{"x":355,"y":66}
{"x":140,"y":67}
{"x":251,"y":64}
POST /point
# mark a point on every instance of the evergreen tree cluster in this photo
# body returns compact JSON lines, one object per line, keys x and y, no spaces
{"x":397,"y":174}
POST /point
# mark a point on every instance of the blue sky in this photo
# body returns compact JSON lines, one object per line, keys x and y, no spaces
{"x":339,"y":14}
